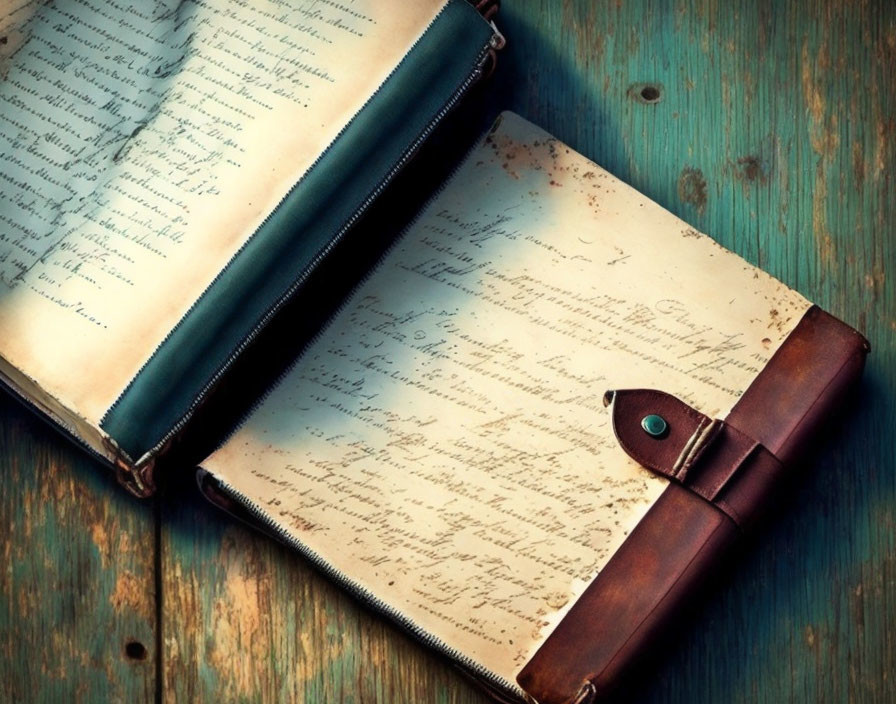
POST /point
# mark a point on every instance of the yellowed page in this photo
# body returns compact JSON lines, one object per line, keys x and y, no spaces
{"x":142,"y":144}
{"x":444,"y":443}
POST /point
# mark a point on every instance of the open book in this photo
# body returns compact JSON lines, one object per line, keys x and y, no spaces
{"x":171,"y":174}
{"x":526,"y":436}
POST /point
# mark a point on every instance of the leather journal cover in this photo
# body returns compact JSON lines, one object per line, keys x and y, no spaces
{"x":529,"y":435}
{"x":724,"y":473}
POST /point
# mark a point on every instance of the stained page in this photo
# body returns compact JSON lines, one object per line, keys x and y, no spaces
{"x":444,"y":445}
{"x":142,"y":144}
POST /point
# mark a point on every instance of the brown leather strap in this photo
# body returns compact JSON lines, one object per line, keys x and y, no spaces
{"x":713,"y":459}
{"x":662,"y":563}
{"x":738,"y":475}
{"x":624,"y":610}
{"x":802,"y":385}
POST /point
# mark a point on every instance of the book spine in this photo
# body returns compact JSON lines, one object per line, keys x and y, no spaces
{"x":274,"y":263}
{"x":665,"y":561}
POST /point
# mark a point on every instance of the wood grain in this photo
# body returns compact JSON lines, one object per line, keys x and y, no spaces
{"x":77,"y":589}
{"x":772,"y":127}
{"x":246,"y":620}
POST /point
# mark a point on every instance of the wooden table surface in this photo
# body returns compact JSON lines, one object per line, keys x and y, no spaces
{"x":769,"y":125}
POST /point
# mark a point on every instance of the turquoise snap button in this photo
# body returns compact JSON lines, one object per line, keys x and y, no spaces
{"x":654,"y":425}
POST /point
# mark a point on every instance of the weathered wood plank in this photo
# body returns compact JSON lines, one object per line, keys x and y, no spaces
{"x":77,"y":597}
{"x":245,"y":619}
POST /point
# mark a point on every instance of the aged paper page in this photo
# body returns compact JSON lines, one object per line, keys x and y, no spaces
{"x":444,"y":444}
{"x":142,"y":144}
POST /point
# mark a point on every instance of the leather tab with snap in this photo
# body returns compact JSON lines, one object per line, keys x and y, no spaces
{"x":709,"y":457}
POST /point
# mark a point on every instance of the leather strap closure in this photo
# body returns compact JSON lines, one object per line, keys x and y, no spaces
{"x":663,"y":563}
{"x":713,"y":459}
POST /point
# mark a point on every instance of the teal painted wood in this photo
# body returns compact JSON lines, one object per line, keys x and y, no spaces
{"x":246,"y":620}
{"x":77,"y":587}
{"x":775,"y":132}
